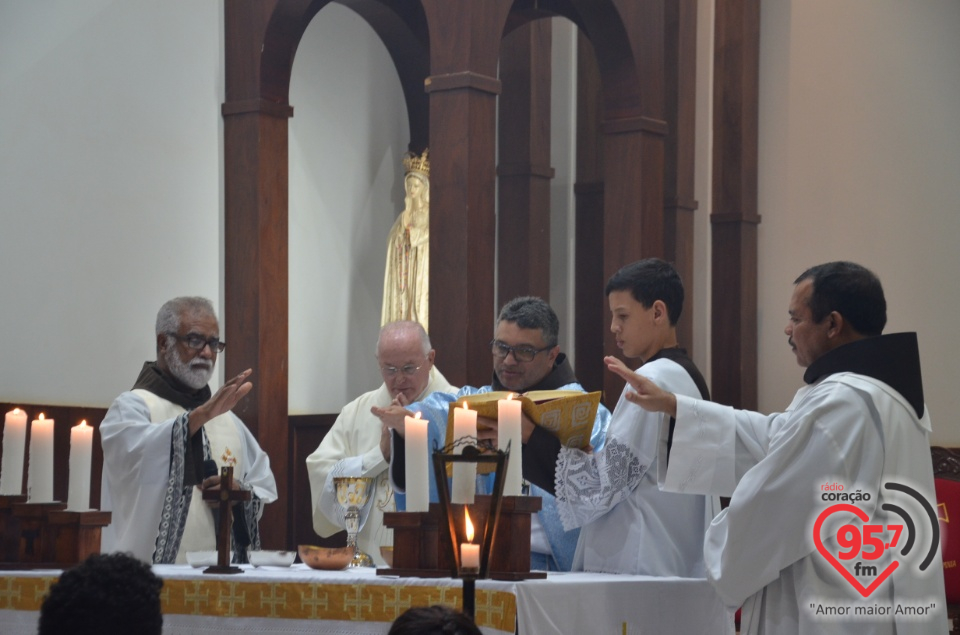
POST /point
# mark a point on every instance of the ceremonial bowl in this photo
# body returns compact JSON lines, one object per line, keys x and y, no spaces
{"x":328,"y":558}
{"x":272,"y":558}
{"x":387,"y":554}
{"x":203,"y":558}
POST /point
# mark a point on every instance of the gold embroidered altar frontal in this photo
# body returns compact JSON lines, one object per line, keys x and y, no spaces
{"x":294,"y":593}
{"x":301,"y":601}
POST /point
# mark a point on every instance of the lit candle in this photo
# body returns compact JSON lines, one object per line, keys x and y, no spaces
{"x":14,"y":445}
{"x":417,"y":463}
{"x":464,"y":474}
{"x":81,"y":457}
{"x":508,"y":432}
{"x":40,"y":466}
{"x":469,"y":552}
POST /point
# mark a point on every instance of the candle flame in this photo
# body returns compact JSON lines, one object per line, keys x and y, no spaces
{"x":41,"y":416}
{"x":83,"y":423}
{"x":510,"y":396}
{"x":465,"y":406}
{"x":416,"y":416}
{"x":16,"y":411}
{"x":469,"y":525}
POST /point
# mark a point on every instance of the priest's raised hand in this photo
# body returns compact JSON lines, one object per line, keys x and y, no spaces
{"x":222,"y":401}
{"x":645,"y":394}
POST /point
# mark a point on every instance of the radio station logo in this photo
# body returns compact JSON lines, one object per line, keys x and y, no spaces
{"x":867,"y":553}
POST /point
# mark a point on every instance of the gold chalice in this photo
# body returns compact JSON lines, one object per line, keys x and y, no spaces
{"x":353,"y":494}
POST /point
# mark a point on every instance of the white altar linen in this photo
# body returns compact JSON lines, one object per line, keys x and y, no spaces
{"x":298,"y":600}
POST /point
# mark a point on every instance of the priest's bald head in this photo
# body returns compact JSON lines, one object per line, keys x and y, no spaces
{"x":833,"y":304}
{"x":405,"y":356}
{"x":188,"y":340}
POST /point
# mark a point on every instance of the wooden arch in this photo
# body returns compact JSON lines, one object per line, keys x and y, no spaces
{"x":634,"y":175}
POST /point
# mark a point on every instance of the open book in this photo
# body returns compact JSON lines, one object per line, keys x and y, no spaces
{"x":568,"y":414}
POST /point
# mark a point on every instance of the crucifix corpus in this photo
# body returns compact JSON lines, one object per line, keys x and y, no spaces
{"x":227,"y":497}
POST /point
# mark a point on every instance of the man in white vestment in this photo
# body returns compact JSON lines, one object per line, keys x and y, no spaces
{"x":526,"y":357}
{"x":358,"y":444}
{"x":165,"y":441}
{"x":628,"y":524}
{"x":857,"y":428}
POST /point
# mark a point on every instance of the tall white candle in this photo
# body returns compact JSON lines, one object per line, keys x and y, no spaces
{"x":40,"y":466}
{"x":417,"y":463}
{"x":464,"y":474}
{"x":81,"y":458}
{"x":14,"y":447}
{"x":508,"y":432}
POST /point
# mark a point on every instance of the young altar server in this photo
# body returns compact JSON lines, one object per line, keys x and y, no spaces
{"x":628,"y":524}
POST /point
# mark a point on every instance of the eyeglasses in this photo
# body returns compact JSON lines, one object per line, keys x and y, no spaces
{"x":197,"y":342}
{"x":408,"y":370}
{"x":520,"y":353}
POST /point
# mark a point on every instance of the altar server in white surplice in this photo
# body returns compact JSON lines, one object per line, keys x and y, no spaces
{"x":859,"y":425}
{"x":166,"y":440}
{"x":628,"y":524}
{"x":358,"y":444}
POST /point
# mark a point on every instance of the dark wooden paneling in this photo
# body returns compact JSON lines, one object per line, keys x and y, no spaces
{"x":523,"y":214}
{"x":464,"y":51}
{"x":65,"y":417}
{"x":680,"y":204}
{"x":734,"y":216}
{"x":590,"y":304}
{"x":306,"y":433}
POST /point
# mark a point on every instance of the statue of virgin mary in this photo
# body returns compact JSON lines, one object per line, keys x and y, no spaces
{"x":406,"y":281}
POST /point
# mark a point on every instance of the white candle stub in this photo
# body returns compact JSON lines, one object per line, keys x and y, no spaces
{"x":508,"y":433}
{"x":469,"y":552}
{"x":464,"y":486}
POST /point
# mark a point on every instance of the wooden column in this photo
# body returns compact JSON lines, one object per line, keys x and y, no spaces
{"x":523,"y":214}
{"x":255,"y":236}
{"x":633,"y":163}
{"x":589,"y":299}
{"x":680,"y":204}
{"x":464,"y":49}
{"x":734,"y":218}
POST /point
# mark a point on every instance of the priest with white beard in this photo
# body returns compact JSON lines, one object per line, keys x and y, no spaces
{"x":165,"y":441}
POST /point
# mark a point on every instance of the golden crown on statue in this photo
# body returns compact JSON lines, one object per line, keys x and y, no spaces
{"x":414,"y":163}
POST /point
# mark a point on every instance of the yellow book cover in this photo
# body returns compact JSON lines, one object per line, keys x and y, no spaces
{"x":568,"y":414}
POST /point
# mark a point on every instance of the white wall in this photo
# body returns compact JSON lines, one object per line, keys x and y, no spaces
{"x":110,"y":169}
{"x":348,"y":135}
{"x":859,"y":160}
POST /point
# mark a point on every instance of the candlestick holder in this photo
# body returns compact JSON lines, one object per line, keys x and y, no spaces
{"x":471,"y":450}
{"x":10,"y":528}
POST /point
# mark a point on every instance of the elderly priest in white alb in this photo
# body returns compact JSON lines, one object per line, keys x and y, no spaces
{"x":358,"y":444}
{"x":168,"y":437}
{"x":860,"y":422}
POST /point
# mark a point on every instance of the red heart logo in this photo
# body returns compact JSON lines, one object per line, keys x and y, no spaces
{"x":862,"y":515}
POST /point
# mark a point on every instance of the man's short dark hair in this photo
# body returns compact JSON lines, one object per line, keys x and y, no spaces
{"x":529,"y":312}
{"x":851,"y":290}
{"x":650,"y":280}
{"x":106,"y":593}
{"x":433,"y":620}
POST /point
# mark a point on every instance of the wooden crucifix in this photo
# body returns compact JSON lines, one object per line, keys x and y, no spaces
{"x":227,"y":497}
